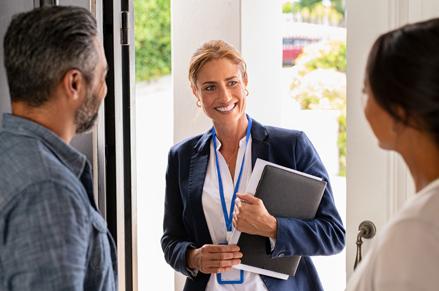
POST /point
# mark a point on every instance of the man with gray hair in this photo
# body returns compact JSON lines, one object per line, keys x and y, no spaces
{"x":52,"y":236}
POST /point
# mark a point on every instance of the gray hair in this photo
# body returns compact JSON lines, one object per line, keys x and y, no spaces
{"x":41,"y":45}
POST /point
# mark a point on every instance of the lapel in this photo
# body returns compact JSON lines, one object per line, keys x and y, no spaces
{"x":197,"y":175}
{"x":260,"y":146}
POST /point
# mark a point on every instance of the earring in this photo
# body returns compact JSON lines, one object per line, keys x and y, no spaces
{"x":198,"y":103}
{"x":246,"y":92}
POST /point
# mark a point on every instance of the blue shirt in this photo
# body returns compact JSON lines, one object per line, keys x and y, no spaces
{"x":52,"y":237}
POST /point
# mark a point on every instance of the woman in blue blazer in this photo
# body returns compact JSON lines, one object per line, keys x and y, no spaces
{"x":207,"y":173}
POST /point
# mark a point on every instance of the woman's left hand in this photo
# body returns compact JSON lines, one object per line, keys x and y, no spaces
{"x":252,"y":217}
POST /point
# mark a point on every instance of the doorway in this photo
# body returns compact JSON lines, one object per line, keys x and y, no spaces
{"x":154,"y":136}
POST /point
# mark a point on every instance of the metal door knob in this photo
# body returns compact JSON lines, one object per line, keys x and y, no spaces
{"x":366,"y":230}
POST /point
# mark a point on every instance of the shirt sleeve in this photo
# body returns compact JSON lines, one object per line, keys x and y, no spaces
{"x":45,"y":240}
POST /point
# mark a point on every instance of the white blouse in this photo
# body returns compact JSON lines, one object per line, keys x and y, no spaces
{"x":214,"y":214}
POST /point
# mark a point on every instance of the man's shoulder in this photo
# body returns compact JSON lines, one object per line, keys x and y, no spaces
{"x":28,"y":159}
{"x":26,"y":162}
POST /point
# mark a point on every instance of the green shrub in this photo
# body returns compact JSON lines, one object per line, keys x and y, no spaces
{"x":341,"y":142}
{"x":287,"y":7}
{"x":319,"y":81}
{"x":315,"y":11}
{"x":152,"y":38}
{"x":331,"y":55}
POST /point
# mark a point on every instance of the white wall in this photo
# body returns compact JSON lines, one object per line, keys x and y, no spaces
{"x":194,"y":22}
{"x":261,"y":47}
{"x":154,"y":138}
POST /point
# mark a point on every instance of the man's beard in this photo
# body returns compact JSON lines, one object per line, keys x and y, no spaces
{"x":87,"y":114}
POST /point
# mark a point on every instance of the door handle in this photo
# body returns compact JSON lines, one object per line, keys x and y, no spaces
{"x":366,"y":230}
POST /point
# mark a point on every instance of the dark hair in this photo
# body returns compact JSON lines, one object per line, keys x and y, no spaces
{"x":41,"y":45}
{"x":403,"y":73}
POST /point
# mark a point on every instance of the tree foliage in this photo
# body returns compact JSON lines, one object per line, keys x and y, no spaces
{"x":316,"y":11}
{"x":152,"y":38}
{"x":341,"y":143}
{"x":287,"y":7}
{"x":328,"y":55}
{"x":338,"y":5}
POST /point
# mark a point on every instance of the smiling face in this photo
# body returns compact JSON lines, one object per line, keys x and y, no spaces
{"x":220,"y":88}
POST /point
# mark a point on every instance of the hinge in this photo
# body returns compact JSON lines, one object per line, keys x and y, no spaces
{"x":42,"y":3}
{"x":124,"y":29}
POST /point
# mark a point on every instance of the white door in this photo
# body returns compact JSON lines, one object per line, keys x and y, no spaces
{"x":378,"y":182}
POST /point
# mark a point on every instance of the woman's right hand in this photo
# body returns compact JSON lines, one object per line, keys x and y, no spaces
{"x":211,"y":259}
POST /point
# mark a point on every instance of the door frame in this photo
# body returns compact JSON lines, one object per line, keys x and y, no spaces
{"x":378,"y":183}
{"x":120,"y":155}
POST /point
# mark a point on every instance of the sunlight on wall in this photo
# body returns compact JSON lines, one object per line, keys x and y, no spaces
{"x":154,"y":138}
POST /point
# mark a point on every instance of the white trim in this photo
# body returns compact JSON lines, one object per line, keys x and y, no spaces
{"x":400,"y":13}
{"x":392,"y":186}
{"x":133,"y":143}
{"x":118,"y":115}
{"x":415,"y":10}
{"x":241,"y":8}
{"x":261,"y":46}
{"x":400,"y":184}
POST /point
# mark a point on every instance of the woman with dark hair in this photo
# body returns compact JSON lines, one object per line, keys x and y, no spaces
{"x":402,"y":108}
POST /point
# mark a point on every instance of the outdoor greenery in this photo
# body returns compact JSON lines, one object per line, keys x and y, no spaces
{"x":318,"y":76}
{"x":287,"y":7}
{"x":152,"y":38}
{"x":319,"y":82}
{"x":326,"y":55}
{"x":337,"y":4}
{"x":341,"y":142}
{"x":316,"y":11}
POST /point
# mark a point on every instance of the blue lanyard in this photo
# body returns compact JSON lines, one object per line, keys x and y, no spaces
{"x":228,"y":218}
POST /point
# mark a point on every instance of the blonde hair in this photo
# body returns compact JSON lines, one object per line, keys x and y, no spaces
{"x":214,"y":50}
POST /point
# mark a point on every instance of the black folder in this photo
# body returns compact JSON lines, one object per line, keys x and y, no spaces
{"x":285,"y":194}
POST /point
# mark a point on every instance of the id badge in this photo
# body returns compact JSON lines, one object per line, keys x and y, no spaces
{"x":224,"y":281}
{"x":230,"y":277}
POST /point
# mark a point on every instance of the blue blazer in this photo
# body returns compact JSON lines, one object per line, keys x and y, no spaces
{"x":185,"y":226}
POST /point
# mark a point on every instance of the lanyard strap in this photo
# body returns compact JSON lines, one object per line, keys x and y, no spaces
{"x":228,"y":217}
